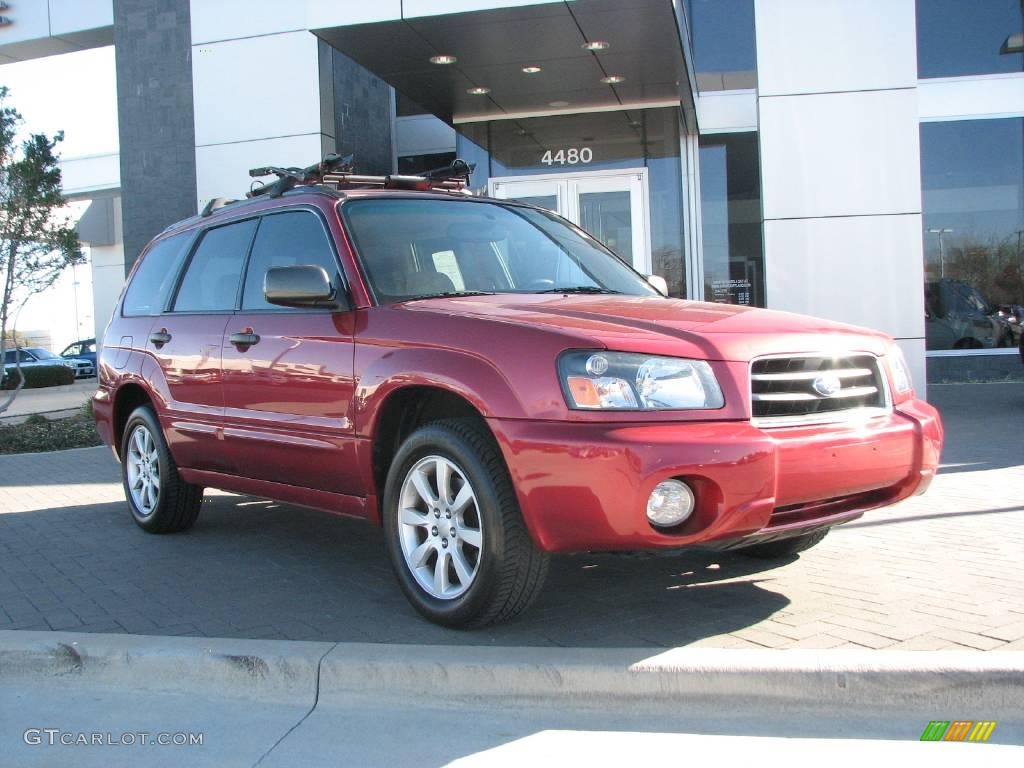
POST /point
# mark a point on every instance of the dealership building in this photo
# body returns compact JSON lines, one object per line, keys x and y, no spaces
{"x":860,"y":160}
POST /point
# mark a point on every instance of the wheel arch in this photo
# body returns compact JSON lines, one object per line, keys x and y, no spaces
{"x":127,"y":398}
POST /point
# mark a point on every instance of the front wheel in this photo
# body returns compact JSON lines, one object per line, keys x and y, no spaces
{"x":455,"y":535}
{"x":774,"y":550}
{"x":159,"y":500}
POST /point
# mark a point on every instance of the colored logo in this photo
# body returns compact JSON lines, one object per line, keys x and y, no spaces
{"x":827,"y":385}
{"x":958,"y":730}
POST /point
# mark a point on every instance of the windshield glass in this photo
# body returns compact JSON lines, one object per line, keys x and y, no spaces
{"x":419,"y":248}
{"x":43,"y":354}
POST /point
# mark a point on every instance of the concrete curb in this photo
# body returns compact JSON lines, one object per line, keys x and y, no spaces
{"x":267,"y":670}
{"x":331,"y":674}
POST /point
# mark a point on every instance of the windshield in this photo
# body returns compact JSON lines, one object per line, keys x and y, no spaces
{"x":42,"y":354}
{"x":420,"y":248}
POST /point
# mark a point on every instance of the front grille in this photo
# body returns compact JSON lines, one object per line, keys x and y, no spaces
{"x":808,"y":388}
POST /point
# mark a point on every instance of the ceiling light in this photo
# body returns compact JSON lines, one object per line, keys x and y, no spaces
{"x":613,"y":79}
{"x":531,"y":70}
{"x":558,"y":103}
{"x":443,"y":59}
{"x":596,"y":45}
{"x":478,"y":91}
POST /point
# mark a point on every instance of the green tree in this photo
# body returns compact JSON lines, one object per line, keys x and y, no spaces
{"x":37,"y":238}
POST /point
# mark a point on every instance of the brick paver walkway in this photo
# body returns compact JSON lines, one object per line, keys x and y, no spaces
{"x":945,"y":570}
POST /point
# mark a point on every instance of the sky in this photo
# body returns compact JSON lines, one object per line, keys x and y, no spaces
{"x":76,"y":93}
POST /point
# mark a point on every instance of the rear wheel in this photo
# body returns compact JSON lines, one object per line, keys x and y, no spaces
{"x":159,"y":500}
{"x":772,"y":550}
{"x":455,"y":536}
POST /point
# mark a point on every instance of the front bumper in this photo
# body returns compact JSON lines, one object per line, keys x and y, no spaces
{"x":584,"y":487}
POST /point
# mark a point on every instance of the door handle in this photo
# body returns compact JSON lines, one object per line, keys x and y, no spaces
{"x":245,"y":339}
{"x":159,"y":338}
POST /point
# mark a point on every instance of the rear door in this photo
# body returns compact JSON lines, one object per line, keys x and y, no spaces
{"x":186,"y":343}
{"x":288,"y":376}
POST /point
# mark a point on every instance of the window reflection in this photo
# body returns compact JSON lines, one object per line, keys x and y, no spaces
{"x":730,"y":195}
{"x":723,"y":44}
{"x":973,"y":196}
{"x":958,"y":38}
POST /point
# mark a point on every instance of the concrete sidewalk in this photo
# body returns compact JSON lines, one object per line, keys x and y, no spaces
{"x":311,"y":704}
{"x":70,"y":397}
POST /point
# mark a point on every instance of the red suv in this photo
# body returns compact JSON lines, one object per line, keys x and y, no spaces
{"x":490,"y":384}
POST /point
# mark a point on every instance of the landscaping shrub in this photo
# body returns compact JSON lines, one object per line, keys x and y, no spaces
{"x":40,"y":376}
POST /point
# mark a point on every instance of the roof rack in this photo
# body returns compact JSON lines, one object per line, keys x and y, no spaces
{"x":339,"y":173}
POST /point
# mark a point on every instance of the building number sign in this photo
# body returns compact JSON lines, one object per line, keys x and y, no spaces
{"x":571,"y":156}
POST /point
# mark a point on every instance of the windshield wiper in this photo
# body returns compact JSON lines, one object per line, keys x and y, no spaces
{"x":579,"y":289}
{"x":447,"y":295}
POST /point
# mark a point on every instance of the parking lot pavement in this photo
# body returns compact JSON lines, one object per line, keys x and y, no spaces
{"x":941,"y":571}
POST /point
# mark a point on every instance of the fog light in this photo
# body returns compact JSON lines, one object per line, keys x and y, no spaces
{"x":671,"y":502}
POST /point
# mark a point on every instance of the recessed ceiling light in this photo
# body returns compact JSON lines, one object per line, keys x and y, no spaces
{"x":613,"y":79}
{"x":443,"y":59}
{"x":596,"y":45}
{"x":478,"y":91}
{"x":531,"y":70}
{"x":558,"y":103}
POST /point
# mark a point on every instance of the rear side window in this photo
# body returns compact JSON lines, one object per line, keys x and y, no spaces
{"x":212,"y":277}
{"x":154,"y":277}
{"x":284,"y":240}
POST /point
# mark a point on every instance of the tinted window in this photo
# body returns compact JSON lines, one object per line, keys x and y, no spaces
{"x":284,"y":240}
{"x":154,"y":277}
{"x":956,"y":38}
{"x":972,"y":183}
{"x":723,"y":44}
{"x":211,"y":280}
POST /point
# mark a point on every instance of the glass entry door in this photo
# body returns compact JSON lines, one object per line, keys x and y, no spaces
{"x":611,"y":206}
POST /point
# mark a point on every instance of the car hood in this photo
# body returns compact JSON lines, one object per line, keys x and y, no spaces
{"x":663,"y":326}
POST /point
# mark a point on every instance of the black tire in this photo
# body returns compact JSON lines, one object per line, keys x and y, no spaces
{"x":177,"y":503}
{"x":774,"y":550}
{"x":510,"y":571}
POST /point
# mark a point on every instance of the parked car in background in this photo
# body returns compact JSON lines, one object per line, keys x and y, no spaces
{"x":37,"y":356}
{"x":957,"y":316}
{"x":82,"y":350}
{"x":490,"y":384}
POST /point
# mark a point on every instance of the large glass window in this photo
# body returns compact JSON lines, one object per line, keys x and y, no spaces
{"x":723,"y":44}
{"x":972,"y":179}
{"x":969,"y":37}
{"x":730,"y":201}
{"x":211,"y":280}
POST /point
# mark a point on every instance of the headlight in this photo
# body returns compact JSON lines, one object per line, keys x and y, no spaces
{"x":900,"y":372}
{"x":622,"y":380}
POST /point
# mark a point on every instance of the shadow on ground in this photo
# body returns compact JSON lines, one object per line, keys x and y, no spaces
{"x":252,"y":568}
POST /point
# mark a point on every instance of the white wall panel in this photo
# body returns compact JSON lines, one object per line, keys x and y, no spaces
{"x":727,"y":111}
{"x":818,"y":46}
{"x":236,"y":100}
{"x":69,"y":16}
{"x":865,"y":270}
{"x":222,"y":170}
{"x":437,"y":7}
{"x":840,"y":154}
{"x":971,"y":97}
{"x":228,"y":19}
{"x":88,"y":174}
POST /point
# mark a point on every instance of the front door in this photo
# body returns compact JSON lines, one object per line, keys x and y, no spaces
{"x":610,"y":205}
{"x":288,"y":377}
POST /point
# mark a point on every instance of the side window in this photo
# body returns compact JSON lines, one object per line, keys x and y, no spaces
{"x":284,"y":240}
{"x":211,"y":280}
{"x":154,"y":277}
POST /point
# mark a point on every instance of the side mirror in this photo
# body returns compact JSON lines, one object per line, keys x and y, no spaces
{"x":304,"y":285}
{"x":659,"y":284}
